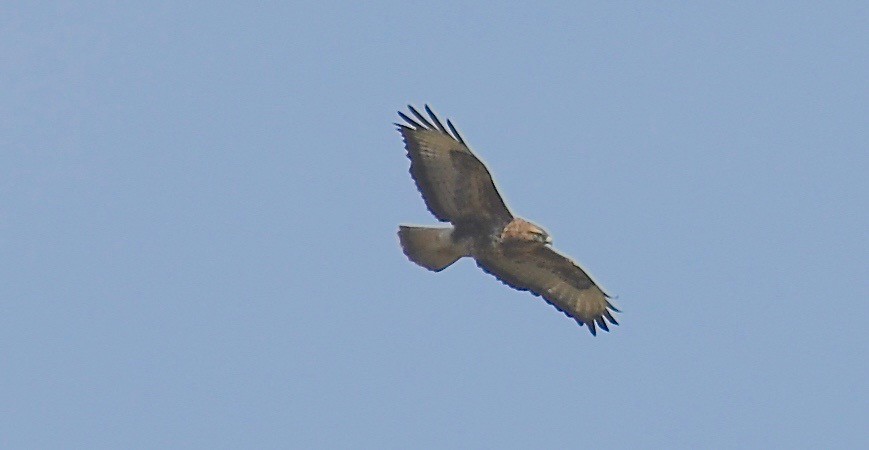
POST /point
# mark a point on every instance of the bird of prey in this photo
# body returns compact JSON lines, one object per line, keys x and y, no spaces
{"x":457,"y":188}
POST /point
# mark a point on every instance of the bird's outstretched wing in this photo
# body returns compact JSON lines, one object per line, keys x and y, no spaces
{"x":558,"y":279}
{"x":454,"y":183}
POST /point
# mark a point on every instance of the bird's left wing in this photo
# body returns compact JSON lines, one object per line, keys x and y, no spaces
{"x":455,"y":185}
{"x":558,"y":279}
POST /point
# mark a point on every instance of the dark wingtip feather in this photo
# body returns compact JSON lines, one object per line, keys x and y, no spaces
{"x":436,"y":120}
{"x":410,"y":121}
{"x":420,"y":117}
{"x":455,"y":132}
{"x":602,"y":323}
{"x":592,"y":328}
{"x":610,"y":306}
{"x":420,"y":122}
{"x":610,"y":317}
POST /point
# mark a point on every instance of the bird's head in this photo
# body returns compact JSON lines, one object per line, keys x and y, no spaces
{"x":521,"y":231}
{"x":540,"y":235}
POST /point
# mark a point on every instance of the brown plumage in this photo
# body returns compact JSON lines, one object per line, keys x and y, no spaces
{"x":457,"y":188}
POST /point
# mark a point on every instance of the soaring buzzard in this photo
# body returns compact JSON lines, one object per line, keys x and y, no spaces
{"x":457,"y":188}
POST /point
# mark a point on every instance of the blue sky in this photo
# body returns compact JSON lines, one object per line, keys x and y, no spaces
{"x":198,"y":207}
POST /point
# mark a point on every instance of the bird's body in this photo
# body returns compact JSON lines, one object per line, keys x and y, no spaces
{"x":457,"y":188}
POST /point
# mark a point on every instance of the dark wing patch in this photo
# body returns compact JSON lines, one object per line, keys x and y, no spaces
{"x":455,"y":185}
{"x":556,"y":278}
{"x":477,"y":191}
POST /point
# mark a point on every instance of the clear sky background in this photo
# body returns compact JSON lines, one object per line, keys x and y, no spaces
{"x":198,"y":207}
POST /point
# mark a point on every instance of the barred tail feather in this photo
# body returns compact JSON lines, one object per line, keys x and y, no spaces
{"x":430,"y":247}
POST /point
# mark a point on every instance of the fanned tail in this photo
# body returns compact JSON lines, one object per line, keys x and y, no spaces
{"x":430,"y":247}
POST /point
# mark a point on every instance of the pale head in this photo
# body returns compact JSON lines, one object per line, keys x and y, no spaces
{"x":521,"y":231}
